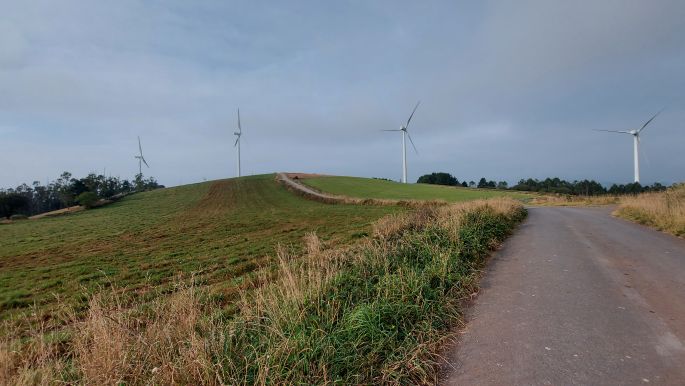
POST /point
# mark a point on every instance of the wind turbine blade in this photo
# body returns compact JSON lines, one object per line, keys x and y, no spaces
{"x":412,"y":143}
{"x":412,"y":113}
{"x":140,"y":147}
{"x":614,"y":131}
{"x":392,"y":130}
{"x":145,"y":162}
{"x":239,"y":128}
{"x":650,"y":120}
{"x":236,"y":141}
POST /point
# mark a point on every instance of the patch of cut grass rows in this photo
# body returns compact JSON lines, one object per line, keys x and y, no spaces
{"x":220,"y":230}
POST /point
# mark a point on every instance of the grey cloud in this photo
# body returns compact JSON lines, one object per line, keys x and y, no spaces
{"x":509,"y":89}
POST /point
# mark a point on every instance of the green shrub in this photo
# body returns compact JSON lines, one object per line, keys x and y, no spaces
{"x":87,"y":199}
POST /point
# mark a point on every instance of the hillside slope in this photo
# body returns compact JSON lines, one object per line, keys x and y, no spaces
{"x":382,"y":189}
{"x":219,"y":230}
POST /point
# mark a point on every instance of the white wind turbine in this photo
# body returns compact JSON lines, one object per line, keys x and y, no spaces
{"x":140,"y":158}
{"x":636,"y":144}
{"x":238,"y":134}
{"x":405,"y":135}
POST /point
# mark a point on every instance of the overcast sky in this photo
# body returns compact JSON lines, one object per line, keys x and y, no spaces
{"x":509,"y":89}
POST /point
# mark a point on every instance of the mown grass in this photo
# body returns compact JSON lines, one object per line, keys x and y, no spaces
{"x":381,"y":189}
{"x":219,"y":230}
{"x":664,"y":211}
{"x":372,"y":313}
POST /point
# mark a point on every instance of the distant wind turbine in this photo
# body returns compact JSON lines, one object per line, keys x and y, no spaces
{"x":405,"y":134}
{"x":140,"y":158}
{"x":238,"y":134}
{"x":636,"y":144}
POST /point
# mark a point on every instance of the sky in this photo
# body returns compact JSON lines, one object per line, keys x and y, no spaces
{"x":508,"y":90}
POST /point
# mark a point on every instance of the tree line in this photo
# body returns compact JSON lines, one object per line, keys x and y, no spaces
{"x":442,"y":178}
{"x":548,"y":185}
{"x":67,"y":191}
{"x":584,"y":187}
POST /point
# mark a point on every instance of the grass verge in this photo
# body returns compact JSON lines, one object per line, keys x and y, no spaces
{"x":664,"y":211}
{"x":371,"y":313}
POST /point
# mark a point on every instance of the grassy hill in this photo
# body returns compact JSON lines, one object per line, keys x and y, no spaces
{"x":103,"y":296}
{"x":383,"y":189}
{"x":220,"y":230}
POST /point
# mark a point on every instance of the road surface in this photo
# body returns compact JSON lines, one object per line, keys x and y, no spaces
{"x":577,"y":297}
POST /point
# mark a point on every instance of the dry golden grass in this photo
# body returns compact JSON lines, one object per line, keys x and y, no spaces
{"x":159,"y":344}
{"x":664,"y":211}
{"x":40,"y":361}
{"x":113,"y":346}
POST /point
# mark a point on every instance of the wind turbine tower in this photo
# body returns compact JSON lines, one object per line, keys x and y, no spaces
{"x":238,"y":134}
{"x":405,"y":135}
{"x":141,"y":159}
{"x":636,"y":144}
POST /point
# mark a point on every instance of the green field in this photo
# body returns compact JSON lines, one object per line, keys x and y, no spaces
{"x":218,"y":230}
{"x":104,"y":296}
{"x":383,"y":189}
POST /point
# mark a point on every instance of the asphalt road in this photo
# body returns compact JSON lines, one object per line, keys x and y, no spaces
{"x":577,"y":297}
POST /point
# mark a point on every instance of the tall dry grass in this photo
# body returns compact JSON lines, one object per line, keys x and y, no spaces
{"x":663,"y":210}
{"x":114,"y":345}
{"x":159,"y":343}
{"x":375,"y":312}
{"x":39,"y":359}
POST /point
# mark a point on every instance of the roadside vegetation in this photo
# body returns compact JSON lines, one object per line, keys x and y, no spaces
{"x":372,"y":312}
{"x":664,"y":211}
{"x":388,"y":190}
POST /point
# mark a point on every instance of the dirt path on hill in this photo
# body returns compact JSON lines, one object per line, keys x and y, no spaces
{"x":298,"y":187}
